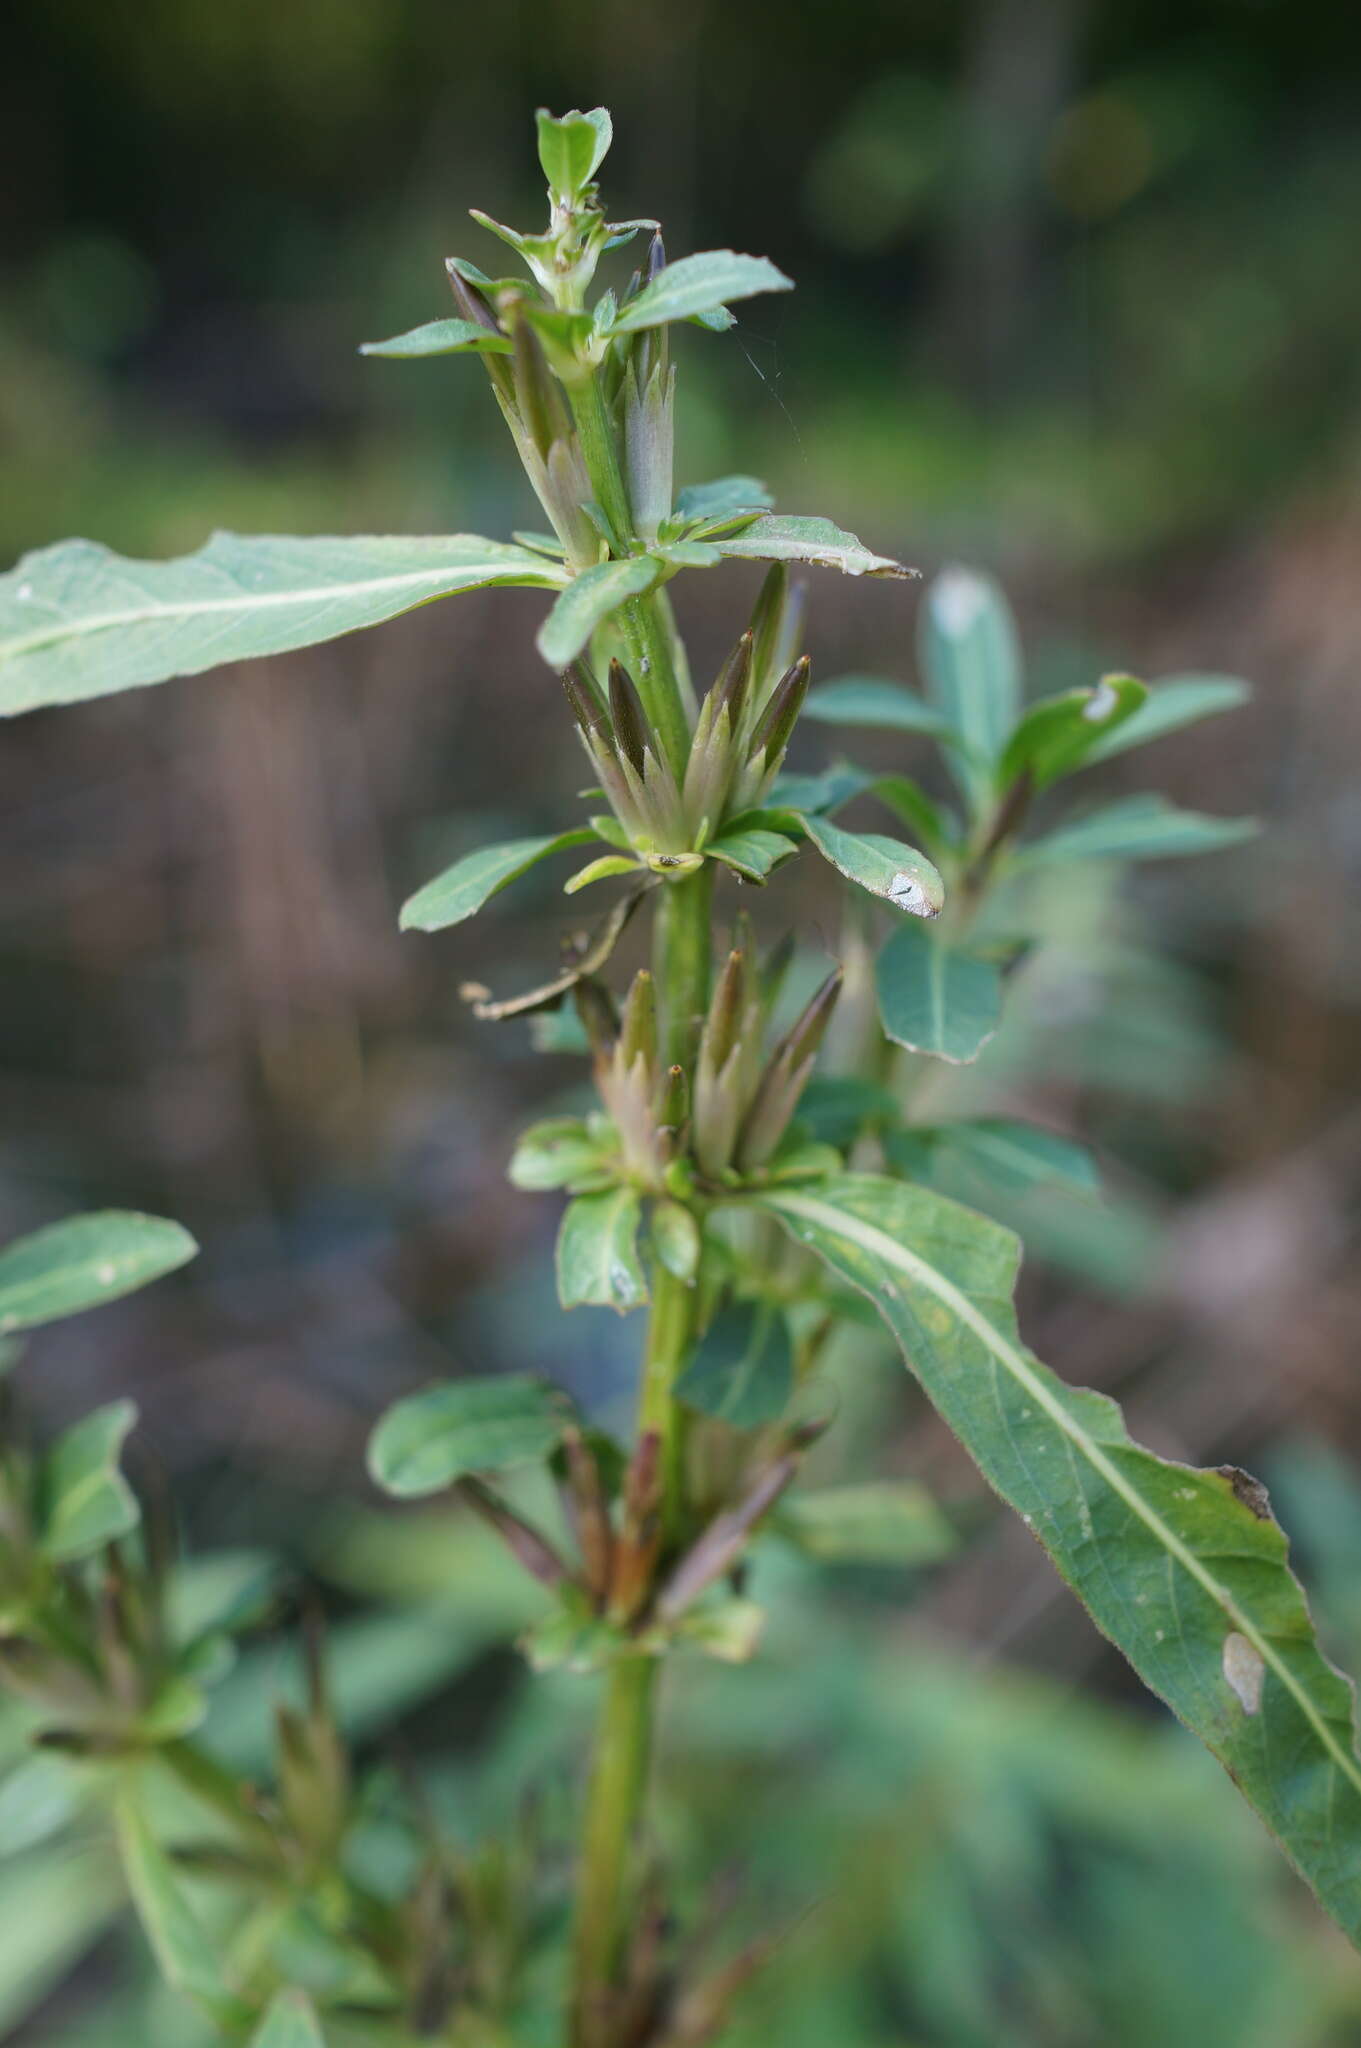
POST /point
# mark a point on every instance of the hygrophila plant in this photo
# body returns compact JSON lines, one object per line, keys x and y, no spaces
{"x":696,"y":1193}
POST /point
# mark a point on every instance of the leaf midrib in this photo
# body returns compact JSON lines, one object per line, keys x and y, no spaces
{"x":882,"y":1246}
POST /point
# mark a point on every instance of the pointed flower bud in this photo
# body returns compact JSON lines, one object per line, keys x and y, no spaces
{"x":632,"y":734}
{"x":785,"y":1078}
{"x":771,"y":736}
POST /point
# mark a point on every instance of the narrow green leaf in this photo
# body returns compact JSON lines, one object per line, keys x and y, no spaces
{"x":603,"y":870}
{"x":873,"y":702}
{"x":86,"y":1501}
{"x":777,"y":538}
{"x":700,"y":284}
{"x":178,"y":1938}
{"x":936,"y":998}
{"x":676,"y":1239}
{"x":78,"y":621}
{"x":893,"y":1522}
{"x":753,"y":853}
{"x":972,"y":662}
{"x":572,"y":148}
{"x":1000,"y":1152}
{"x":85,"y":1261}
{"x":291,"y":2022}
{"x":441,"y":338}
{"x":886,"y":867}
{"x":823,"y":793}
{"x":1137,"y":828}
{"x":427,"y":1441}
{"x":1059,"y":734}
{"x":1185,"y":1570}
{"x":588,"y":601}
{"x":721,"y":498}
{"x":923,"y":816}
{"x":597,"y":1255}
{"x":462,"y":889}
{"x":743,"y":1371}
{"x":1181,"y":700}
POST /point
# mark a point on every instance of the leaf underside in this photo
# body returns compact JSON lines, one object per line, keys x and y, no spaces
{"x":1184,"y":1569}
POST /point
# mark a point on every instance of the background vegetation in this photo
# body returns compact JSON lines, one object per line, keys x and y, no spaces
{"x":1077,"y":302}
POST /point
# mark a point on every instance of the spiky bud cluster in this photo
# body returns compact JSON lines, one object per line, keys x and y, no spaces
{"x":745,"y":1097}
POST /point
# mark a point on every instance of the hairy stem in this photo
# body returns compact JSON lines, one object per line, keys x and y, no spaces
{"x":682,"y":953}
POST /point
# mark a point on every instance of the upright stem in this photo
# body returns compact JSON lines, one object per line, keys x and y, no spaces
{"x":619,"y":1772}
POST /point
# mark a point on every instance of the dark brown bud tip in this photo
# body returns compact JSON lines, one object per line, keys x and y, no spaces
{"x":631,"y":731}
{"x":772,"y":734}
{"x":469,"y":300}
{"x":656,"y":257}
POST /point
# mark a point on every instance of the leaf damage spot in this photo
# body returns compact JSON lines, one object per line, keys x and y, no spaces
{"x":1244,"y":1671}
{"x":909,"y":895}
{"x":1247,"y":1491}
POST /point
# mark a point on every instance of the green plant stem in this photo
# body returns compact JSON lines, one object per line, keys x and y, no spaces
{"x":682,"y":951}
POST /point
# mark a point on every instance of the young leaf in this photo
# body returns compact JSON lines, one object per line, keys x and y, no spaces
{"x":1182,"y":700}
{"x":1137,"y":828}
{"x":886,"y":867}
{"x":78,"y":621}
{"x":676,"y":1239}
{"x":427,"y":1441}
{"x":743,"y":1370}
{"x":441,"y":338}
{"x":752,"y":853}
{"x":554,"y":1154}
{"x":291,"y":2022}
{"x":462,"y":889}
{"x":726,"y":495}
{"x":86,"y":1501}
{"x":597,"y":1255}
{"x":572,"y":148}
{"x":972,"y":663}
{"x":84,"y":1262}
{"x":700,"y":284}
{"x":178,"y":1937}
{"x":1185,"y":1570}
{"x":873,"y":702}
{"x":936,"y":998}
{"x":588,"y":601}
{"x":1058,"y":734}
{"x":776,"y":538}
{"x":877,"y":1521}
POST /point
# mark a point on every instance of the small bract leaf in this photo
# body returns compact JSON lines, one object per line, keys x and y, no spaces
{"x":743,"y":1370}
{"x":86,"y":1501}
{"x":555,"y":1153}
{"x":676,"y":1239}
{"x":726,"y":494}
{"x":886,"y":867}
{"x":935,"y":998}
{"x":753,"y":853}
{"x":588,"y":601}
{"x":972,"y":662}
{"x":84,"y":1261}
{"x":78,"y":621}
{"x":427,"y":1441}
{"x":779,"y":538}
{"x":441,"y":338}
{"x":1138,"y":828}
{"x":871,"y":701}
{"x":1060,"y":733}
{"x":1181,"y":700}
{"x":291,"y":2022}
{"x":597,"y":1255}
{"x":700,"y":284}
{"x":462,"y":889}
{"x":572,"y":148}
{"x":609,"y":865}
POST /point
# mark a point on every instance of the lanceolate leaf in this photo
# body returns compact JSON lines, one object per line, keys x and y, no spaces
{"x":1138,"y":828}
{"x":878,"y":1521}
{"x":1184,"y":1570}
{"x":441,"y":338}
{"x":86,"y":1501}
{"x":432,"y":1438}
{"x":85,"y":1261}
{"x":78,"y":621}
{"x":972,"y":664}
{"x":937,"y":998}
{"x":996,"y":1151}
{"x":700,"y":284}
{"x":588,"y":601}
{"x":777,"y":538}
{"x":597,"y":1258}
{"x":462,"y":889}
{"x":886,"y":867}
{"x":873,"y":702}
{"x":1182,"y":700}
{"x":291,"y":2022}
{"x":177,"y":1935}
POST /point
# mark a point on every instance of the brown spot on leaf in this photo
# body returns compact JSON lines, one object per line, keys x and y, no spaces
{"x":1248,"y":1491}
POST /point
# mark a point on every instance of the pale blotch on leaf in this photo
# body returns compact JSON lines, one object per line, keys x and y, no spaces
{"x":909,"y":895}
{"x":1100,"y":704}
{"x":1244,"y":1671}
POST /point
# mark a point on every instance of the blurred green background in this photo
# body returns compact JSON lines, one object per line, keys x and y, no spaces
{"x":1078,"y":303}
